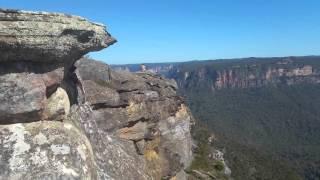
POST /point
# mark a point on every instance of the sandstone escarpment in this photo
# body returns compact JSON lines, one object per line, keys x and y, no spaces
{"x":238,"y":73}
{"x":246,"y":73}
{"x":234,"y":78}
{"x":61,"y":117}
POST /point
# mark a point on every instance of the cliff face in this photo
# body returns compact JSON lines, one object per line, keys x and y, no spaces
{"x":258,"y":109}
{"x":252,"y":77}
{"x":244,"y":73}
{"x":61,"y":117}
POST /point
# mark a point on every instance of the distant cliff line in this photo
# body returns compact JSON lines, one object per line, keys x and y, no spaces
{"x":238,"y":73}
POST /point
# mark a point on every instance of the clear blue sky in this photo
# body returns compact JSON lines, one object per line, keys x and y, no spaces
{"x":180,"y":30}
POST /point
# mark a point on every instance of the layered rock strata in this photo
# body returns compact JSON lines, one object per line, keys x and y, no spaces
{"x":46,"y":37}
{"x":61,"y":117}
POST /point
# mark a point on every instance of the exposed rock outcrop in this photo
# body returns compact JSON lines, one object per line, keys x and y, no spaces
{"x":37,"y":53}
{"x":44,"y":37}
{"x":63,"y":118}
{"x":139,"y":124}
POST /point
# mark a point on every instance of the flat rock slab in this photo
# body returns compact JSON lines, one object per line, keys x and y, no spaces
{"x":47,"y":37}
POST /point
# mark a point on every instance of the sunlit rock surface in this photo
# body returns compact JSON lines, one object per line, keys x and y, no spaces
{"x":44,"y":37}
{"x":64,"y":118}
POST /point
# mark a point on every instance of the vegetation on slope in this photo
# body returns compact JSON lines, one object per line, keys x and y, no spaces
{"x":269,"y":133}
{"x":203,"y":162}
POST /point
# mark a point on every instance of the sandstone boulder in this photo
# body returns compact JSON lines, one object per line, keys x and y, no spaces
{"x":48,"y":37}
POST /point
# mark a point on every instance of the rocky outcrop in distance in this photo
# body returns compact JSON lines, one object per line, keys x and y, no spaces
{"x":238,"y":73}
{"x":65,"y":118}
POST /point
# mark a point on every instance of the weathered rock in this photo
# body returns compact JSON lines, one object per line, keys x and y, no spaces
{"x":99,"y":94}
{"x":53,"y":80}
{"x":50,"y":150}
{"x":149,"y":129}
{"x":57,"y":106}
{"x":135,"y":133}
{"x":176,"y":135}
{"x":35,"y":50}
{"x":115,"y":158}
{"x":22,"y":98}
{"x":102,"y":124}
{"x":47,"y":37}
{"x":93,"y":70}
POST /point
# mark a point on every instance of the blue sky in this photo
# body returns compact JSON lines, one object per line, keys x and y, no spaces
{"x":181,"y":30}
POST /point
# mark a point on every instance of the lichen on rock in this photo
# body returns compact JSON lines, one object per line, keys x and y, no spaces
{"x":44,"y":150}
